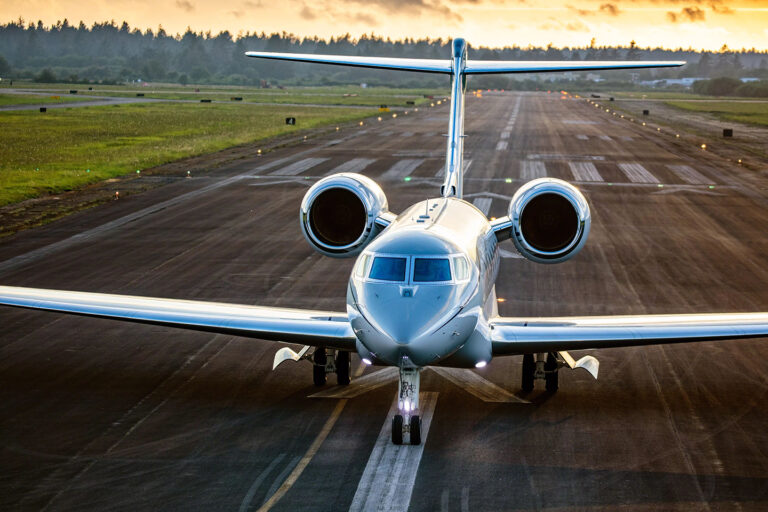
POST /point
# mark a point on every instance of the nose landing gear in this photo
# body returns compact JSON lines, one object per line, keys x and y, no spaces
{"x":544,"y":368}
{"x":407,"y":420}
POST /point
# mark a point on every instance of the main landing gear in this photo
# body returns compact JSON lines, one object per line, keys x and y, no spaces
{"x":544,"y":368}
{"x":407,"y":419}
{"x":330,"y":361}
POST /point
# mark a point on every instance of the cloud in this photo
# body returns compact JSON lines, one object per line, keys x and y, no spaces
{"x":185,"y":5}
{"x":307,"y":14}
{"x":558,"y":26}
{"x":721,"y":9}
{"x":691,"y":14}
{"x":611,"y":9}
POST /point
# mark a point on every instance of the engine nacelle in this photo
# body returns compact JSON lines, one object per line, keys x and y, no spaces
{"x":550,"y":220}
{"x":338,"y":214}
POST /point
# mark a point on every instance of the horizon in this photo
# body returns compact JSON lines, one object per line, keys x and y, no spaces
{"x":695,"y":25}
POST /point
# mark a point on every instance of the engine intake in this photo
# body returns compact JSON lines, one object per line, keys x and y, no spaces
{"x":550,"y":220}
{"x":339,"y":212}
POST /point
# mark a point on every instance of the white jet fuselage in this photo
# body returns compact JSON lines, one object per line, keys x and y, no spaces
{"x":422,"y":291}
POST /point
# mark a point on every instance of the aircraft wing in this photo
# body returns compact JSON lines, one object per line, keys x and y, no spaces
{"x":529,"y":335}
{"x":480,"y":67}
{"x":317,"y":328}
{"x":423,"y":65}
{"x":474,"y":67}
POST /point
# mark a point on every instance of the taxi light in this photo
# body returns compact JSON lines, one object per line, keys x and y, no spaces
{"x":480,"y":364}
{"x":367,"y":361}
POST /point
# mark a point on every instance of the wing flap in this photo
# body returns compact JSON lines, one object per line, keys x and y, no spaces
{"x":277,"y":324}
{"x":531,"y":335}
{"x":422,"y":65}
{"x":522,"y":66}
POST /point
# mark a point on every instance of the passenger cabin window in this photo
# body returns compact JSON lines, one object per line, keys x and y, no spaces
{"x":388,"y":269}
{"x":461,"y":268}
{"x":431,"y":270}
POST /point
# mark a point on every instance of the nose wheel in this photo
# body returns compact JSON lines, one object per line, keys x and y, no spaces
{"x":407,"y":419}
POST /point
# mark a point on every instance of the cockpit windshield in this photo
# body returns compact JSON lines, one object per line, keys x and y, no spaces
{"x":388,"y":269}
{"x":431,"y":269}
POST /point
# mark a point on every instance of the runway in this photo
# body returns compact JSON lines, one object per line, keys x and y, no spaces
{"x":103,"y":415}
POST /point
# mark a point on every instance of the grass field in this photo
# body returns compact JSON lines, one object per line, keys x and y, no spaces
{"x":67,"y":148}
{"x":745,"y":112}
{"x":332,"y":95}
{"x":34,"y":99}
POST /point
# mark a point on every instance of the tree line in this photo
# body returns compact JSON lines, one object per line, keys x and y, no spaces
{"x":111,"y":53}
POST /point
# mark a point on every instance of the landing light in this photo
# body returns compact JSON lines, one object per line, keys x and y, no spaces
{"x":703,"y":146}
{"x":361,"y":123}
{"x":367,"y":361}
{"x":480,"y":364}
{"x":394,"y":115}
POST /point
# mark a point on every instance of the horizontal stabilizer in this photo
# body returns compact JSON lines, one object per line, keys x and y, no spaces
{"x":423,"y":65}
{"x":522,"y":66}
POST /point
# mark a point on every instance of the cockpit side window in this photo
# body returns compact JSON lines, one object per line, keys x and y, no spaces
{"x":460,"y":268}
{"x":362,"y":265}
{"x":431,"y":270}
{"x":388,"y":269}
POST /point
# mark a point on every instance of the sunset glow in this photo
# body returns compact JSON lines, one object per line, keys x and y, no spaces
{"x":699,"y":24}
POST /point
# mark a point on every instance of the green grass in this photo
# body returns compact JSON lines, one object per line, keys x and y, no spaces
{"x":34,"y":99}
{"x":331,"y":95}
{"x":68,"y":148}
{"x":752,"y":113}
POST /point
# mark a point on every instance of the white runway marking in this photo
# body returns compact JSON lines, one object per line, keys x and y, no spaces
{"x":579,"y":121}
{"x":557,"y":156}
{"x":386,"y":133}
{"x":402,"y":168}
{"x":504,"y":135}
{"x":476,"y":385}
{"x":406,"y":134}
{"x":354,"y":165}
{"x":637,"y":173}
{"x":298,"y":167}
{"x":362,"y":385}
{"x":606,"y":137}
{"x":627,"y":138}
{"x":584,"y":171}
{"x":388,"y":478}
{"x":530,"y":170}
{"x":689,"y":174}
{"x":582,"y":137}
{"x":483,"y":204}
{"x":501,"y":146}
{"x":441,"y":171}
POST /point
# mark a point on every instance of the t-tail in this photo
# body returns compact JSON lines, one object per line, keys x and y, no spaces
{"x":459,"y":67}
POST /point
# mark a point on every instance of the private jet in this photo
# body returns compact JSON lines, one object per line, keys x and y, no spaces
{"x":422,"y":290}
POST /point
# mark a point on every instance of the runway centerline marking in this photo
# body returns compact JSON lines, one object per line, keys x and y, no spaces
{"x":501,"y":146}
{"x":388,"y":479}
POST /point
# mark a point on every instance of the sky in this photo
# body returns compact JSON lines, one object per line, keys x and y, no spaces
{"x":698,"y":24}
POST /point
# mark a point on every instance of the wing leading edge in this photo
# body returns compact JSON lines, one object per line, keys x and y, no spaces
{"x":528,"y":335}
{"x":480,"y":67}
{"x":317,"y":328}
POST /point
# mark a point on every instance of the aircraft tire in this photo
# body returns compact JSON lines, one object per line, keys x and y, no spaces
{"x":550,"y":367}
{"x":342,"y":368}
{"x":318,"y":369}
{"x":415,"y":430}
{"x":529,"y":369}
{"x":397,"y":429}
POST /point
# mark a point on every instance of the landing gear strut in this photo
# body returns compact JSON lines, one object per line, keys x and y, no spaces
{"x":407,"y":420}
{"x":330,"y":361}
{"x":543,"y":368}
